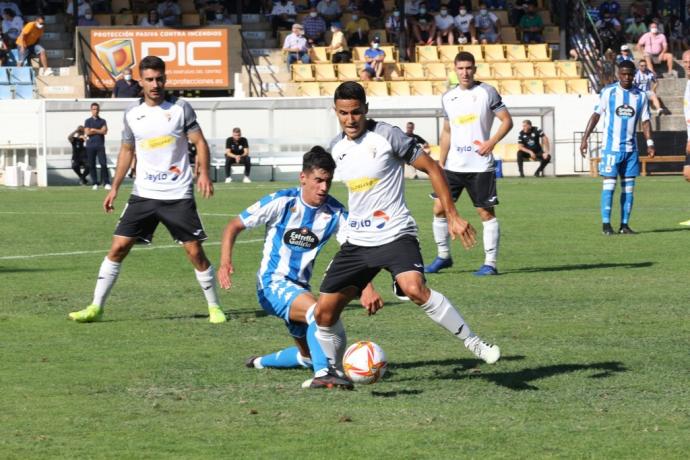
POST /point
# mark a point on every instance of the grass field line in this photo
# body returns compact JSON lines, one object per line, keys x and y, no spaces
{"x":81,"y":213}
{"x":138,"y":248}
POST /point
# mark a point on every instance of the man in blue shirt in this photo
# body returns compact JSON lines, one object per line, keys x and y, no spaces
{"x":373,"y":57}
{"x":96,"y":128}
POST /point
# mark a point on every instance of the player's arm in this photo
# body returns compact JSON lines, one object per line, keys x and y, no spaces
{"x":591,"y":124}
{"x":444,"y":144}
{"x":203,"y":181}
{"x":246,"y":149}
{"x":504,"y":128}
{"x":523,"y":148}
{"x":124,"y":159}
{"x":686,"y":167}
{"x":546,"y":144}
{"x":457,"y":226}
{"x":225,"y":269}
{"x":647,"y":132}
{"x":371,"y":300}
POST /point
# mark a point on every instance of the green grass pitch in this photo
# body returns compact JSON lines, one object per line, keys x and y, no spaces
{"x":594,"y":332}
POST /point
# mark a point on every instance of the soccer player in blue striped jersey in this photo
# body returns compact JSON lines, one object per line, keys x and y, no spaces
{"x":623,"y":106}
{"x":299,"y":221}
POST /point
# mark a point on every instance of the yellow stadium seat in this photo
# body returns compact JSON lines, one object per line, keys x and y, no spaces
{"x":568,"y":69}
{"x":510,"y":87}
{"x":191,"y":19}
{"x":476,"y":51}
{"x":435,"y":71}
{"x":302,"y":72}
{"x":555,"y":86}
{"x":328,"y":88}
{"x":499,"y":151}
{"x":502,"y":16}
{"x":376,"y":88}
{"x":545,"y":69}
{"x":427,"y":53}
{"x":539,"y":52}
{"x":319,"y":54}
{"x":325,"y":72}
{"x":532,"y":87}
{"x":509,"y":35}
{"x":391,"y":53}
{"x":483,"y":70}
{"x":413,"y":71}
{"x":494,"y":53}
{"x":439,"y":87}
{"x":578,"y":86}
{"x":523,"y":69}
{"x":393,"y":71}
{"x":399,"y":88}
{"x":502,"y":70}
{"x":552,"y":34}
{"x":358,"y":53}
{"x":310,"y":89}
{"x":490,"y":82}
{"x":516,"y":53}
{"x":421,"y":88}
{"x":347,"y":72}
{"x":381,"y":33}
{"x":447,"y":53}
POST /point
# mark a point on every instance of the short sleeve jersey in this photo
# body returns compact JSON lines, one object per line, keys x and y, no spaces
{"x":372,"y":168}
{"x":470,"y":113}
{"x":463,"y":23}
{"x":644,"y":80}
{"x":621,"y":110}
{"x":686,"y":106}
{"x":159,"y":136}
{"x":532,"y":139}
{"x":237,"y":148}
{"x":95,"y":140}
{"x":295,"y":234}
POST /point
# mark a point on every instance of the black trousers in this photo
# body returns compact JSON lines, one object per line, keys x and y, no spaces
{"x":93,"y":153}
{"x":81,"y":167}
{"x":522,"y":156}
{"x":242,"y":161}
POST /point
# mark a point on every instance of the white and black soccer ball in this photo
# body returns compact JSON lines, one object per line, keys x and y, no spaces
{"x":364,"y":362}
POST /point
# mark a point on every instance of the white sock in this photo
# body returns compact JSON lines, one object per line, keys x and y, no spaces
{"x":207,"y":281}
{"x":492,"y":236}
{"x":257,"y":363}
{"x":443,"y":313}
{"x":107,"y":275}
{"x":332,"y":340}
{"x":441,"y":236}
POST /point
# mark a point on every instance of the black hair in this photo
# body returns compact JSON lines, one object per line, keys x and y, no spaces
{"x":95,"y":104}
{"x":153,"y":63}
{"x":9,"y":12}
{"x":350,"y":90}
{"x":528,"y":122}
{"x":464,"y":56}
{"x":627,"y":65}
{"x":318,"y":158}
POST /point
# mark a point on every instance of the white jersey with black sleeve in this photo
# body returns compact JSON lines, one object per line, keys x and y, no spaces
{"x":159,"y":136}
{"x":372,"y":168}
{"x":470,"y":113}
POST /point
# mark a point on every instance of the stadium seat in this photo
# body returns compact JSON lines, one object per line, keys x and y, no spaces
{"x":552,"y":34}
{"x":510,"y":87}
{"x":413,"y":71}
{"x":545,"y":16}
{"x":427,"y":53}
{"x":421,"y":88}
{"x":118,"y":6}
{"x":191,"y":19}
{"x":377,"y":88}
{"x":555,"y":86}
{"x":490,"y":82}
{"x":21,"y":76}
{"x":568,"y":69}
{"x":578,"y":86}
{"x":391,"y":53}
{"x":399,"y":88}
{"x":328,"y":88}
{"x":302,"y":72}
{"x":325,"y":72}
{"x":381,"y":33}
{"x":494,"y":53}
{"x":319,"y":54}
{"x":310,"y":89}
{"x":435,"y":71}
{"x":502,"y":70}
{"x":476,"y":51}
{"x":523,"y":69}
{"x":509,"y":35}
{"x":5,"y":75}
{"x":358,"y":53}
{"x":447,"y":53}
{"x":393,"y":71}
{"x":516,"y":53}
{"x":347,"y":72}
{"x":502,"y":16}
{"x":532,"y":87}
{"x":124,"y":19}
{"x":103,"y":19}
{"x":546,"y":69}
{"x":24,"y":92}
{"x":5,"y":92}
{"x":483,"y":70}
{"x":539,"y":52}
{"x":439,"y":87}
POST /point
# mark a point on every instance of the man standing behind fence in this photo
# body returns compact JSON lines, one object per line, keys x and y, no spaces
{"x":237,"y":153}
{"x":96,"y":128}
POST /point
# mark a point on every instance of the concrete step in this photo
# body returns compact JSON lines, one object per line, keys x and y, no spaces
{"x":671,"y":87}
{"x":60,"y":62}
{"x":670,"y":123}
{"x":60,"y":53}
{"x":253,"y":26}
{"x":60,"y":37}
{"x":66,"y":85}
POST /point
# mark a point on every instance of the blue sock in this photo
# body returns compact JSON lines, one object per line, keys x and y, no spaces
{"x":627,"y":189}
{"x":607,"y":200}
{"x":287,"y":358}
{"x":318,"y":358}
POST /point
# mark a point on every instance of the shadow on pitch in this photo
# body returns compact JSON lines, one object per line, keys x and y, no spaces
{"x":666,"y":230}
{"x":393,"y":394}
{"x":26,"y":270}
{"x":566,"y":268}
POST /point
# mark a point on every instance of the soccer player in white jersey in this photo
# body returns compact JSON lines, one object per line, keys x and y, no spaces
{"x":466,"y":156}
{"x":381,"y":233}
{"x":686,"y":111}
{"x":299,"y":222}
{"x":157,"y":129}
{"x":622,"y":106}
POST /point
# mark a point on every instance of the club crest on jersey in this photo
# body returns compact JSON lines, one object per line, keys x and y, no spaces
{"x":625,"y":111}
{"x":176,"y":172}
{"x":300,"y":239}
{"x":372,"y":151}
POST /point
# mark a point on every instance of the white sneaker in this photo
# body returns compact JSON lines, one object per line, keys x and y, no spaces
{"x":228,"y":180}
{"x":47,"y":72}
{"x":247,"y":180}
{"x":95,"y":187}
{"x":482,"y":350}
{"x":107,"y":186}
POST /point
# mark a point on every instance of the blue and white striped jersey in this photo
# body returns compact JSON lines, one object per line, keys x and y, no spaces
{"x":644,"y":80}
{"x":621,"y":110}
{"x":295,"y":233}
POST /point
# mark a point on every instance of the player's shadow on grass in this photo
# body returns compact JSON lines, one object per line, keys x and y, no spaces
{"x":566,"y":268}
{"x":26,"y":270}
{"x":666,"y":230}
{"x":458,"y":366}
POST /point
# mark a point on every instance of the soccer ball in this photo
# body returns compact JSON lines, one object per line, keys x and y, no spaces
{"x":364,"y":362}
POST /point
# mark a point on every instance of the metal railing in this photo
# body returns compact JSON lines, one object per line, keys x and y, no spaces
{"x":256,"y":84}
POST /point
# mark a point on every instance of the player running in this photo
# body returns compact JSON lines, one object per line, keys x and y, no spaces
{"x":299,"y":221}
{"x":157,"y":128}
{"x":380,"y":232}
{"x":469,"y":110}
{"x":622,"y":106}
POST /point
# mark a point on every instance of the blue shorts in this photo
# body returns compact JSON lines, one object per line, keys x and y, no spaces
{"x":624,"y":164}
{"x":276,"y":298}
{"x":30,"y":51}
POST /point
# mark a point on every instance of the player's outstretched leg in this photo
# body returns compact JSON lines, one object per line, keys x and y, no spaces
{"x":441,"y":237}
{"x":107,"y":275}
{"x":207,"y":281}
{"x":492,"y":236}
{"x":288,"y":358}
{"x":627,"y":191}
{"x":330,"y":334}
{"x":606,"y":204}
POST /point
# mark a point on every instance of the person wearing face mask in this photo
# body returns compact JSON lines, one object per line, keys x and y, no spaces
{"x":395,"y":25}
{"x":283,"y":16}
{"x":357,"y":30}
{"x":151,"y":20}
{"x":127,"y":86}
{"x":655,"y":48}
{"x":531,"y":25}
{"x":609,"y":30}
{"x":464,"y":23}
{"x":373,"y":65}
{"x":488,"y":26}
{"x":445,"y":27}
{"x":314,"y":27}
{"x":338,"y":47}
{"x":220,"y":18}
{"x":170,"y":13}
{"x":87,"y":20}
{"x":329,"y":10}
{"x":424,"y":28}
{"x":82,"y":6}
{"x":28,"y":45}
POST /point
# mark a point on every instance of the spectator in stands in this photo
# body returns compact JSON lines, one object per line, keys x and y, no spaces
{"x":517,"y":10}
{"x":654,"y":46}
{"x":237,"y":153}
{"x":11,"y":26}
{"x":613,"y":8}
{"x":464,"y":23}
{"x":329,"y":10}
{"x":445,"y":27}
{"x":80,"y":165}
{"x":296,"y":46}
{"x":395,"y":25}
{"x":592,"y":11}
{"x":638,"y":9}
{"x":338,"y":47}
{"x":488,"y":26}
{"x":531,"y":25}
{"x":645,"y":80}
{"x":283,"y":16}
{"x":455,"y":5}
{"x":411,"y":12}
{"x":28,"y":45}
{"x":314,"y":27}
{"x":495,"y":4}
{"x":530,"y":147}
{"x":635,"y":29}
{"x":95,"y":129}
{"x":424,"y":28}
{"x":357,"y":30}
{"x":220,"y":18}
{"x":170,"y":13}
{"x":151,"y":20}
{"x":11,"y":5}
{"x":625,"y":55}
{"x":127,"y":86}
{"x":609,"y":31}
{"x":373,"y":62}
{"x":87,"y":20}
{"x":82,"y":6}
{"x":373,"y":11}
